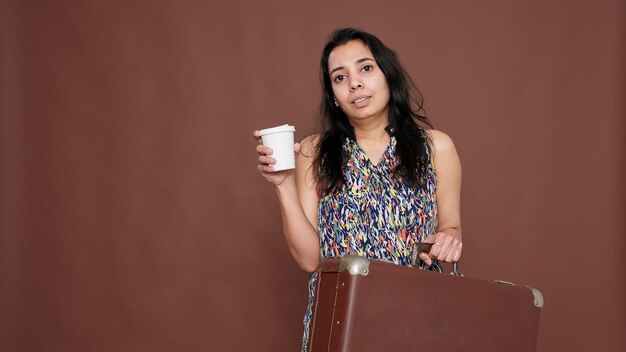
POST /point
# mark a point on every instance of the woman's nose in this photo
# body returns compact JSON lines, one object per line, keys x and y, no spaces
{"x":355,"y":84}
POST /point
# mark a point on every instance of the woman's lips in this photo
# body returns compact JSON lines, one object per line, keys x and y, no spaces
{"x":361,"y":101}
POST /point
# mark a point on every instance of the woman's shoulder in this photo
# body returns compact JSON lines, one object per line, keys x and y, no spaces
{"x":439,"y":141}
{"x":311,"y":139}
{"x":309,"y":144}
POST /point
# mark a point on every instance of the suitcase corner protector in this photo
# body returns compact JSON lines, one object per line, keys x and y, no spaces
{"x":356,"y":265}
{"x":538,"y":297}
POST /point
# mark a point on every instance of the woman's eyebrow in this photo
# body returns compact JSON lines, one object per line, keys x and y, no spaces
{"x":363,"y":59}
{"x":336,"y":69}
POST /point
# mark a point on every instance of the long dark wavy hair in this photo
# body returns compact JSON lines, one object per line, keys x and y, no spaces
{"x":406,"y":115}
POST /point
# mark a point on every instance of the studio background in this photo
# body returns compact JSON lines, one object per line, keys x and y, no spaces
{"x":132,"y":215}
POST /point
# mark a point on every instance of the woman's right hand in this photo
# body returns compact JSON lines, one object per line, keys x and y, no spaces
{"x":266,"y":162}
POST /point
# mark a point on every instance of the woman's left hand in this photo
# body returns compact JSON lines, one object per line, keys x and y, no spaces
{"x":446,"y":248}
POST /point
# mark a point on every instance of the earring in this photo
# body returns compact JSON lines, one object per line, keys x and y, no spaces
{"x":336,"y":103}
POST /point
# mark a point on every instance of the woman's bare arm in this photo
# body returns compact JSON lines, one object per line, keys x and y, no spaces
{"x":298,"y":200}
{"x":447,"y":241}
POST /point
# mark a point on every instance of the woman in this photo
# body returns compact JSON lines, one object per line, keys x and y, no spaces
{"x":374,"y":181}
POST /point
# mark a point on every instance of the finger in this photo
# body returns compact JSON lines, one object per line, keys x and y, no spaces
{"x":443,"y":255}
{"x":446,"y":248}
{"x":266,"y":160}
{"x":450,"y":256}
{"x":296,"y":148}
{"x":256,"y":135}
{"x":424,"y":257}
{"x":457,"y":255}
{"x":265,"y":168}
{"x":435,"y":250}
{"x":261,"y":149}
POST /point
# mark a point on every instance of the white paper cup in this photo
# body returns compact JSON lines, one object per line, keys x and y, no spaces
{"x":280,"y":139}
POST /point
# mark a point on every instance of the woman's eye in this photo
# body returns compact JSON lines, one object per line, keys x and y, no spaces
{"x":367,"y":68}
{"x":339,"y":78}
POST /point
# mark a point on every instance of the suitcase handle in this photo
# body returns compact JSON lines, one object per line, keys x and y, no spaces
{"x":425,"y":247}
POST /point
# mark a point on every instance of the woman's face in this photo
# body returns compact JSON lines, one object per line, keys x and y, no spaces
{"x":360,"y":87}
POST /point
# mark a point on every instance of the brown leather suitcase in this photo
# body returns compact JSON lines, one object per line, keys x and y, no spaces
{"x":368,"y":305}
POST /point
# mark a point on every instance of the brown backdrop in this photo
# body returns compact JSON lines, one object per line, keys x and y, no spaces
{"x":132,"y":215}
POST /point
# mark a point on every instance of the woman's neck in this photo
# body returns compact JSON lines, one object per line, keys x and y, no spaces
{"x":371,"y":131}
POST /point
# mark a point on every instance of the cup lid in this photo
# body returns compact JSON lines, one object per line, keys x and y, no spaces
{"x":281,"y":128}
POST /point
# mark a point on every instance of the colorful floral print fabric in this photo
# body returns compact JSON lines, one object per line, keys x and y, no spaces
{"x":376,"y":215}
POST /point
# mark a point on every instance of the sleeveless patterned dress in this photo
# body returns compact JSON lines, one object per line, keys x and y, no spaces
{"x":376,"y":215}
